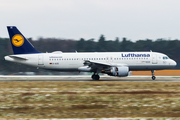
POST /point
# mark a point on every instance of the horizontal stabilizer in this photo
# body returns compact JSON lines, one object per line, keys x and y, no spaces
{"x":18,"y":57}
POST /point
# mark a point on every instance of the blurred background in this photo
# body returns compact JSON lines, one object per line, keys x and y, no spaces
{"x":91,"y":26}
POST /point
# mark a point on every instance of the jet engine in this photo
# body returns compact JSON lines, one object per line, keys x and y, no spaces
{"x":119,"y":71}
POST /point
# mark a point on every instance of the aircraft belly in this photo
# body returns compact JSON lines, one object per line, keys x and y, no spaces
{"x":148,"y":67}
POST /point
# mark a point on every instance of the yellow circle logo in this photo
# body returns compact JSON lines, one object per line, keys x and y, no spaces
{"x":17,"y":40}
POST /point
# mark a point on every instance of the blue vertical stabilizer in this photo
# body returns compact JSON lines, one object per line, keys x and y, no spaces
{"x":19,"y":43}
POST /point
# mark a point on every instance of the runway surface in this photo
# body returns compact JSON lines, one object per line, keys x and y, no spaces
{"x":87,"y":78}
{"x":80,"y":97}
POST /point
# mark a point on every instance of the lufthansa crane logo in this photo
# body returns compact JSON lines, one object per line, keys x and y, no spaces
{"x":17,"y":40}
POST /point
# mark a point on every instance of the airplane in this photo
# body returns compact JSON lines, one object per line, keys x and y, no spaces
{"x":117,"y":64}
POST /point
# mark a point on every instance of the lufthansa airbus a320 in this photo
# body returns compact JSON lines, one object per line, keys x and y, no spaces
{"x":112,"y":63}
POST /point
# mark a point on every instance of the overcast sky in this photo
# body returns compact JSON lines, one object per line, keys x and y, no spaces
{"x":75,"y":19}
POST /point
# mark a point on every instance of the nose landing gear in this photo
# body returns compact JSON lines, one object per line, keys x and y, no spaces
{"x":153,"y":77}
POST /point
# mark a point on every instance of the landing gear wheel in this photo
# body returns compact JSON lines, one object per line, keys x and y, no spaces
{"x":153,"y":77}
{"x":95,"y":77}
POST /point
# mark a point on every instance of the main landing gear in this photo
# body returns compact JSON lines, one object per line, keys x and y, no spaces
{"x":95,"y":76}
{"x":153,"y":77}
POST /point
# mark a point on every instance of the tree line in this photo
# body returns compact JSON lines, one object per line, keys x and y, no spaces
{"x":168,"y":47}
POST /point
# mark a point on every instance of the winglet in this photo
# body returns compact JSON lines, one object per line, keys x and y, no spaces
{"x":19,"y":43}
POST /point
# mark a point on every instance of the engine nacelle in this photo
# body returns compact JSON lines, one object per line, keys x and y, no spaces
{"x":120,"y":71}
{"x":85,"y":69}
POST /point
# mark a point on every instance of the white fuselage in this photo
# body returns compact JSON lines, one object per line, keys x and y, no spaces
{"x":72,"y":61}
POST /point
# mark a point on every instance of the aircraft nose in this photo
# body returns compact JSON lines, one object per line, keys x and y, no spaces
{"x":173,"y":63}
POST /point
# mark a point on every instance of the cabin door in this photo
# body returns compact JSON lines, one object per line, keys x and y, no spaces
{"x":154,"y":59}
{"x":40,"y":60}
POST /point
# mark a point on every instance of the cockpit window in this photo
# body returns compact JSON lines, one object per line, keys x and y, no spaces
{"x":164,"y":58}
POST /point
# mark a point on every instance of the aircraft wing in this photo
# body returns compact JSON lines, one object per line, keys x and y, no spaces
{"x":94,"y":64}
{"x":101,"y":65}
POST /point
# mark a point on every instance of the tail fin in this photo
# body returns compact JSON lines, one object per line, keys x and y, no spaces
{"x":19,"y":43}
